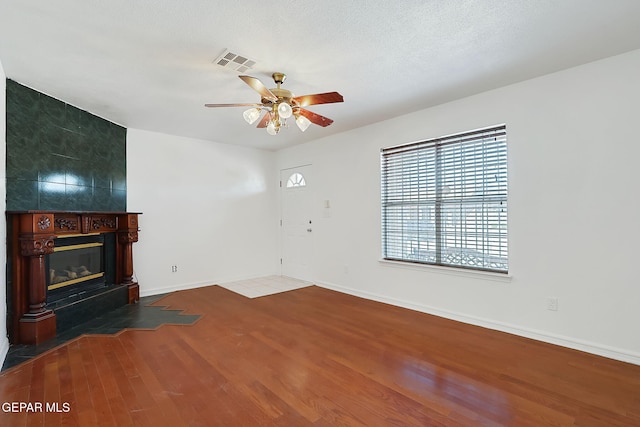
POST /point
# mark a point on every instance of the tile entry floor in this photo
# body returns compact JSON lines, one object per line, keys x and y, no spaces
{"x":262,"y":286}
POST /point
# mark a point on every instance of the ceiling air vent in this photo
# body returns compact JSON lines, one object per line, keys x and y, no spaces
{"x":234,"y":61}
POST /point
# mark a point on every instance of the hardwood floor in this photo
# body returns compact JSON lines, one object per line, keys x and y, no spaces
{"x":314,"y":357}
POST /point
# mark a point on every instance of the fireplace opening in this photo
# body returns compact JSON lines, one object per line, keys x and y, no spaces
{"x":76,"y":266}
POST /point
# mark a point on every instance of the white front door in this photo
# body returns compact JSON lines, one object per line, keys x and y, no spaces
{"x":296,"y":226}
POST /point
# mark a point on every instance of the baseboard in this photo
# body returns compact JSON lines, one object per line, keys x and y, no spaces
{"x":145,"y":292}
{"x":589,"y":347}
{"x":4,"y":349}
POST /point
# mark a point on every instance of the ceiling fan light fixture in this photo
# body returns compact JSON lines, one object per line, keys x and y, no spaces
{"x":279,"y":104}
{"x":273,"y":128}
{"x":302,"y":122}
{"x":251,"y":115}
{"x":284,"y":110}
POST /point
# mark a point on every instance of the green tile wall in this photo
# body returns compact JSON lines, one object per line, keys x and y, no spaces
{"x":60,"y":157}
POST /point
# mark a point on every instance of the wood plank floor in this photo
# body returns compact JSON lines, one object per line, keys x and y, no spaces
{"x":315,"y":357}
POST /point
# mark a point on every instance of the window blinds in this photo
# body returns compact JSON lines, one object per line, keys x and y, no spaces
{"x":444,"y":201}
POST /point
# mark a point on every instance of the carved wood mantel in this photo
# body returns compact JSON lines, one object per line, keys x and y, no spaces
{"x":32,"y":237}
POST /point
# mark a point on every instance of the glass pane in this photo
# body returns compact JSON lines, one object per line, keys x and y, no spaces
{"x":72,"y":265}
{"x":296,"y":180}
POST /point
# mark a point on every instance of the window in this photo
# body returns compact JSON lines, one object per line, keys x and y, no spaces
{"x":296,"y":180}
{"x":444,"y":201}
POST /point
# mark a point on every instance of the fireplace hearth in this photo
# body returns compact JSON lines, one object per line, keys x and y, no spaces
{"x":64,"y":263}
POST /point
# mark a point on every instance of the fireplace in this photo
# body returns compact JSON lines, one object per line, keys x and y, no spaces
{"x":58,"y":259}
{"x":76,"y":266}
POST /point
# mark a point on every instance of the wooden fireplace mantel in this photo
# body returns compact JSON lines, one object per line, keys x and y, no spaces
{"x":33,"y":236}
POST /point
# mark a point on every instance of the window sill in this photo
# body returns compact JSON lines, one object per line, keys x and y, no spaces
{"x":451,"y":271}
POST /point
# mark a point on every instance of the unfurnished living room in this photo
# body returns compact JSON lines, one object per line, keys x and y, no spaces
{"x":330,"y":213}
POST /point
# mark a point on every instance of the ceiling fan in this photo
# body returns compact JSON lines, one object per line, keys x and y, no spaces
{"x":280,"y":104}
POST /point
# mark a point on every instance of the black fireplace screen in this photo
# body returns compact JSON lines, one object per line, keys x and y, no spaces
{"x":76,"y":261}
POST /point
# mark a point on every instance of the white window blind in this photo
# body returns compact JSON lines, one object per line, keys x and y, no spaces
{"x":444,"y":201}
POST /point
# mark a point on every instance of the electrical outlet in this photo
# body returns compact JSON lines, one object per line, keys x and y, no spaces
{"x":552,"y":304}
{"x":174,"y":268}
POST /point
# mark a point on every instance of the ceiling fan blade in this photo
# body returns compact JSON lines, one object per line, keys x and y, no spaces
{"x":259,"y":87}
{"x":315,"y":118}
{"x":265,"y":120}
{"x":318,"y":98}
{"x":233,"y":105}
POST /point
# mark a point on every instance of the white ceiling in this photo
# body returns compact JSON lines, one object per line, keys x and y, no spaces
{"x":148,"y":64}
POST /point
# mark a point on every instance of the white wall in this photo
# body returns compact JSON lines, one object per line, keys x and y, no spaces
{"x":4,"y":342}
{"x":574,"y":210}
{"x":208,"y":208}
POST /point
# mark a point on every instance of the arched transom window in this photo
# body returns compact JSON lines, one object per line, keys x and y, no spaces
{"x":296,"y":180}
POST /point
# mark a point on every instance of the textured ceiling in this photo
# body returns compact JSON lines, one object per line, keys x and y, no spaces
{"x":148,"y":64}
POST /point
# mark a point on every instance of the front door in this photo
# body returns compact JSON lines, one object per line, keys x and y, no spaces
{"x":296,"y":222}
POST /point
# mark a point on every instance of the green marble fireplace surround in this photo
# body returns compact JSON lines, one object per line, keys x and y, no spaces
{"x":60,"y":157}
